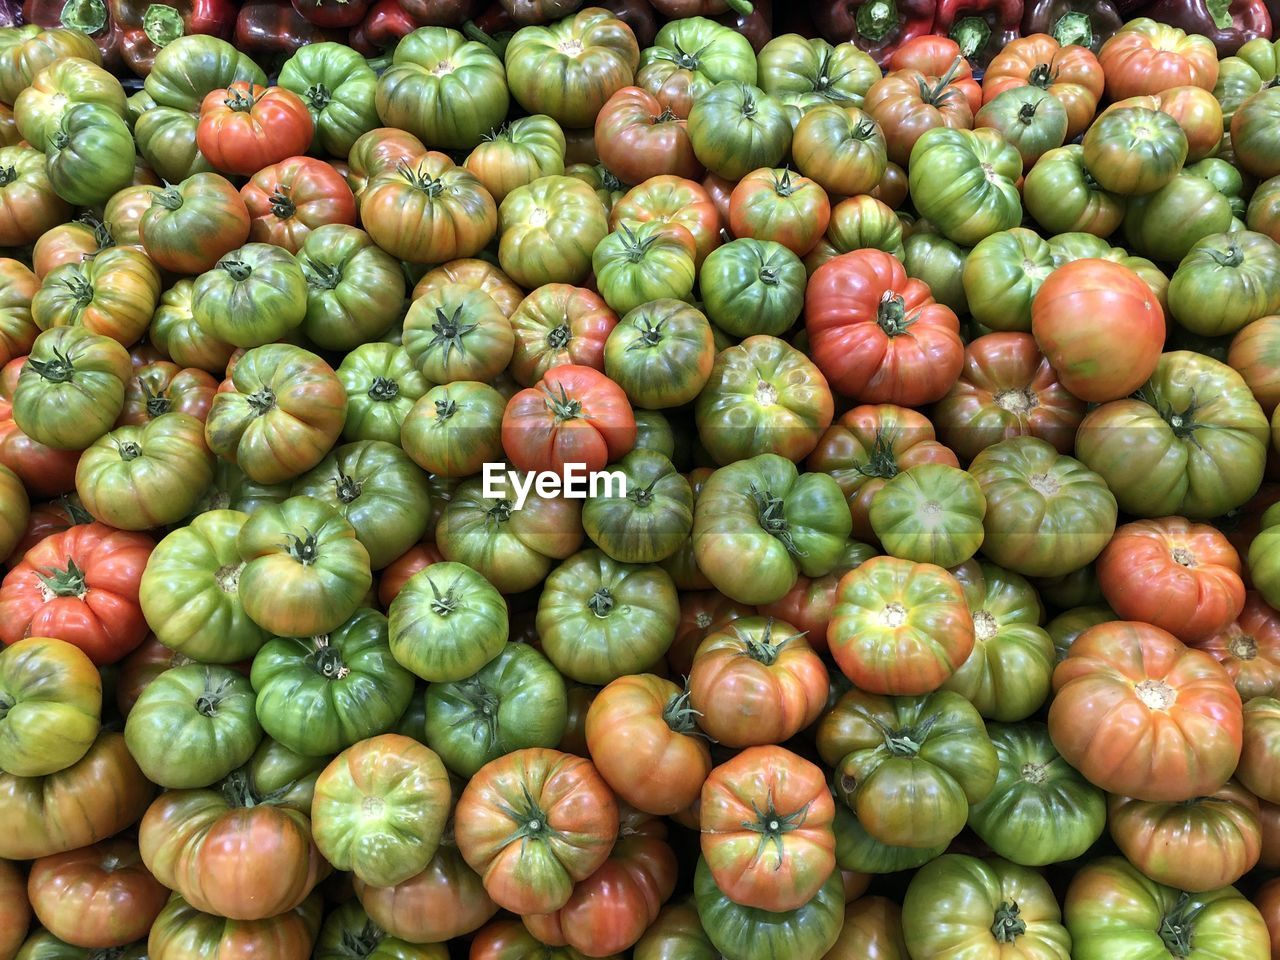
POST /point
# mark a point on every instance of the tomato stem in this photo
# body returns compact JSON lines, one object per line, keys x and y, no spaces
{"x":559,"y":337}
{"x":1008,"y":926}
{"x":601,"y":602}
{"x":650,"y":333}
{"x":238,"y":269}
{"x":326,"y":660}
{"x":348,"y":488}
{"x":443,"y":604}
{"x":446,"y":409}
{"x":383,"y":389}
{"x":58,"y":370}
{"x":1178,"y":924}
{"x":773,"y":520}
{"x":679,"y":715}
{"x":891,"y":315}
{"x":317,"y":96}
{"x":213,"y":695}
{"x":303,"y":549}
{"x":129,"y":450}
{"x":449,"y":331}
{"x":564,"y":407}
{"x":170,"y":197}
{"x":65,"y":583}
{"x":262,"y":401}
{"x":281,"y":204}
{"x":772,"y":826}
{"x":80,"y":288}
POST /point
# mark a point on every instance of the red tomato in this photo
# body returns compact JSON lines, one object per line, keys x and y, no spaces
{"x":877,"y":335}
{"x":638,"y":138}
{"x":245,"y":127}
{"x":1148,"y":57}
{"x":81,"y":586}
{"x":287,"y":200}
{"x":1100,"y":326}
{"x":1180,"y":576}
{"x":1250,"y":649}
{"x":573,"y":415}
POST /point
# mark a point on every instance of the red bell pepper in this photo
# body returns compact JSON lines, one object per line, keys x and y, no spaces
{"x":439,"y":13}
{"x":1228,"y":23}
{"x":981,"y":27}
{"x":332,"y":13}
{"x":1087,"y":23}
{"x":146,"y":27}
{"x":87,"y":16}
{"x":877,"y":26}
{"x":383,"y":26}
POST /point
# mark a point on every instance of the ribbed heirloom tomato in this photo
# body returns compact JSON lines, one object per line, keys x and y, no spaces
{"x":573,"y":415}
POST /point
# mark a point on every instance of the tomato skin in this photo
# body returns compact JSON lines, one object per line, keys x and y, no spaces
{"x":1134,"y":150}
{"x":245,"y":127}
{"x":573,"y":415}
{"x":284,"y":410}
{"x":951,"y":902}
{"x":28,"y":204}
{"x":841,"y":148}
{"x":639,"y":138}
{"x":1060,"y":192}
{"x":549,"y":75}
{"x":1198,"y":846}
{"x":338,"y":88}
{"x":549,"y":229}
{"x":16,"y":914}
{"x":545,"y":792}
{"x":1141,"y":715}
{"x":99,"y":896}
{"x":190,"y":226}
{"x":18,"y":286}
{"x":1113,"y":912}
{"x":1091,"y":360}
{"x":1182,"y":577}
{"x":1259,"y":769}
{"x":877,"y":334}
{"x":55,"y":697}
{"x":458,"y":902}
{"x":1218,"y":287}
{"x":288,"y":200}
{"x":181,"y":932}
{"x":98,"y":796}
{"x":1249,"y":648}
{"x":1146,"y":57}
{"x":252,"y":296}
{"x":559,"y":324}
{"x":95,"y":602}
{"x":71,"y":388}
{"x":773,"y":205}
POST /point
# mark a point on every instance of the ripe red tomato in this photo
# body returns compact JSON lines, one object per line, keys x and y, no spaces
{"x":573,"y":415}
{"x":245,"y":127}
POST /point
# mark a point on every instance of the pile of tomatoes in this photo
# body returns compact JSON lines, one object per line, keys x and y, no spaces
{"x":922,"y":598}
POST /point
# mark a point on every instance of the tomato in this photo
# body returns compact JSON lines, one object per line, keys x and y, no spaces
{"x":302,"y":551}
{"x":382,"y":386}
{"x":290,"y":199}
{"x":859,"y":223}
{"x":1253,"y":355}
{"x":447,"y":623}
{"x":163,"y":387}
{"x":1259,"y":769}
{"x":245,"y":127}
{"x":481,"y":275}
{"x":1249,"y":648}
{"x":1166,"y":452}
{"x":644,"y":261}
{"x":238,"y":851}
{"x":254,"y":295}
{"x":114,"y":294}
{"x":1091,"y":360}
{"x":511,"y":548}
{"x":90,"y":154}
{"x":28,"y":204}
{"x":549,"y":229}
{"x":773,"y":205}
{"x":640,"y":138}
{"x":907,"y":103}
{"x":1264,"y":209}
{"x":756,"y":681}
{"x":99,"y":795}
{"x":71,"y":388}
{"x":52,"y":698}
{"x":27,"y":50}
{"x":181,"y":932}
{"x":190,"y":226}
{"x":80,"y":586}
{"x":444,"y":901}
{"x":18,"y":285}
{"x":443,"y":88}
{"x":283,"y":412}
{"x":1200,"y":845}
{"x":752,"y":287}
{"x":899,"y":627}
{"x":965,"y":182}
{"x":877,"y":334}
{"x":1063,"y":195}
{"x":763,"y":396}
{"x":1140,"y":714}
{"x":1072,"y":74}
{"x":908,"y":767}
{"x":735,"y":128}
{"x":599,"y":619}
{"x":676,"y":933}
{"x":1182,"y":577}
{"x":841,"y":148}
{"x":1002,"y":275}
{"x":189,"y":591}
{"x":517,"y":153}
{"x":455,"y":428}
{"x":1134,"y":150}
{"x":559,"y":324}
{"x":1112,"y":911}
{"x":338,"y":87}
{"x":193,"y":725}
{"x":402,"y":781}
{"x":1041,"y":810}
{"x":1148,"y":57}
{"x":355,"y":290}
{"x":15,"y":516}
{"x":688,"y":57}
{"x":669,"y":199}
{"x":1031,"y":119}
{"x":17,"y":911}
{"x":175,"y":332}
{"x":661,"y":354}
{"x":510,"y":940}
{"x":65,"y":82}
{"x":573,"y":415}
{"x":1253,"y":134}
{"x":1168,"y":223}
{"x":1218,"y":287}
{"x":378,"y":151}
{"x":348,"y":926}
{"x":651,"y":520}
{"x":533,"y":823}
{"x":425,"y":209}
{"x":868,"y":446}
{"x":931,"y":513}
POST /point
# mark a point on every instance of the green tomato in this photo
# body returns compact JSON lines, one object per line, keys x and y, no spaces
{"x":860,"y":852}
{"x":1041,"y":809}
{"x":549,"y":229}
{"x":71,"y":389}
{"x":50,"y":704}
{"x":1264,"y":556}
{"x":1165,"y":224}
{"x":380,"y":492}
{"x":349,"y":932}
{"x":447,"y":622}
{"x":192,"y":66}
{"x":1063,"y":196}
{"x":338,"y":86}
{"x":380,"y":809}
{"x":190,"y":591}
{"x":641,"y":262}
{"x":458,"y":332}
{"x":930,"y":513}
{"x":759,"y":524}
{"x":651,"y":521}
{"x":691,"y":55}
{"x":661,"y":354}
{"x":516,"y":700}
{"x":318,"y":695}
{"x":255,"y":295}
{"x":960,"y":903}
{"x":443,"y":88}
{"x":1225,"y":282}
{"x":1030,"y":117}
{"x":91,"y":155}
{"x":806,"y":933}
{"x":1226,"y":179}
{"x":752,"y":286}
{"x":1002,"y":275}
{"x":1133,"y":150}
{"x":455,"y":429}
{"x":518,"y":153}
{"x":38,"y":109}
{"x":382,"y":384}
{"x":735,"y":128}
{"x":809,"y":72}
{"x":599,"y":619}
{"x":355,"y":290}
{"x":940,"y":263}
{"x":193,"y":725}
{"x":965,"y":182}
